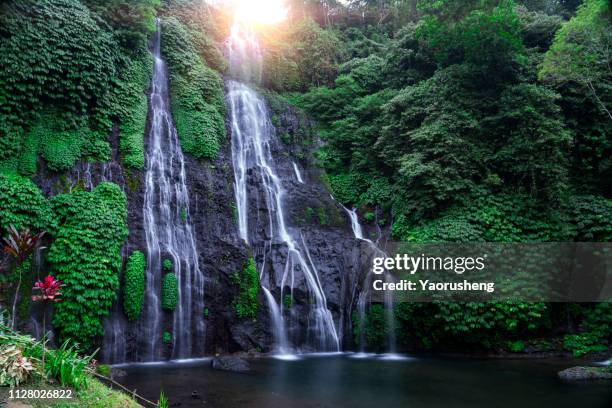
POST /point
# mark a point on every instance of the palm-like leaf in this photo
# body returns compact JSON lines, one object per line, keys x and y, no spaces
{"x":20,"y":245}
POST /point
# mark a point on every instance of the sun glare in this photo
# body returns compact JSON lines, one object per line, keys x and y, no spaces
{"x":260,"y":11}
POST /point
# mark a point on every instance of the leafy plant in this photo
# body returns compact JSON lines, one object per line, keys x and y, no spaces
{"x":14,"y":367}
{"x":166,"y":337}
{"x":23,"y":205}
{"x":167,"y":265}
{"x":67,"y":366}
{"x":86,"y":257}
{"x":20,"y":246}
{"x":163,"y":401}
{"x":169,"y":294}
{"x":134,"y":284}
{"x":247,"y":280}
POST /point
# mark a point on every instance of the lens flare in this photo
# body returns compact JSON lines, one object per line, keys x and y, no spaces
{"x":260,"y":11}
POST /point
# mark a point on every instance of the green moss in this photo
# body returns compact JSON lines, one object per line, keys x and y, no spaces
{"x":86,"y":257}
{"x":197,"y":100}
{"x":167,"y":337}
{"x":167,"y":265}
{"x":247,"y":280}
{"x":131,"y":110}
{"x":133,"y":287}
{"x":169,"y":294}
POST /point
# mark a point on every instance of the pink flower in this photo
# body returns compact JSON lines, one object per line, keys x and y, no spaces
{"x":49,"y":289}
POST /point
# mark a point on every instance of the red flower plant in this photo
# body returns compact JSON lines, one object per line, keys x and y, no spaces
{"x":49,"y":289}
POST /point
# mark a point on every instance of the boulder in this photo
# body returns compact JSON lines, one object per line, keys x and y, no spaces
{"x":230,"y":363}
{"x":585,"y":373}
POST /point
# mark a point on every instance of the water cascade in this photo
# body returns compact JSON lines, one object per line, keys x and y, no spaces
{"x":255,"y":171}
{"x":168,"y":232}
{"x":364,"y":295}
{"x":298,"y":175}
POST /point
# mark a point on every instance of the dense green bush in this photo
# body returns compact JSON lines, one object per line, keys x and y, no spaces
{"x":469,"y":325}
{"x":56,"y":56}
{"x":23,"y":205}
{"x":246,"y":303}
{"x":596,"y":331}
{"x":86,"y":257}
{"x":67,"y":72}
{"x":131,"y":108}
{"x":133,"y":285}
{"x":198,"y":104}
{"x":300,"y":55}
{"x":577,"y":65}
{"x":169,"y":292}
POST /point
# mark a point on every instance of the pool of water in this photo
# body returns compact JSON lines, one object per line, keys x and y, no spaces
{"x":369,"y":381}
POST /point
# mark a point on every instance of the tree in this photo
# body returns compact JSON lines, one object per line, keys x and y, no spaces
{"x":582,"y":52}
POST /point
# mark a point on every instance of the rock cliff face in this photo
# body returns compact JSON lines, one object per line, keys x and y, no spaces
{"x":323,"y":224}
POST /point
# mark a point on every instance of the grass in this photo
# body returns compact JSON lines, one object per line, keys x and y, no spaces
{"x":95,"y":395}
{"x":64,"y":368}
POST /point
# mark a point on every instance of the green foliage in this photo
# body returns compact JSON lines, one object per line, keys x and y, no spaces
{"x":103,"y":369}
{"x":578,"y":66}
{"x":247,"y":280}
{"x":582,"y":344}
{"x":23,"y":205}
{"x":590,"y":218}
{"x":56,"y":53}
{"x":596,"y":331}
{"x":67,"y":72}
{"x":166,"y":337}
{"x":198,"y":104}
{"x":67,"y":366}
{"x":471,"y":324}
{"x":57,"y":56}
{"x":497,"y":218}
{"x":300,"y":55}
{"x":131,"y":108}
{"x":374,"y":328}
{"x":163,"y":401}
{"x":167,"y":265}
{"x":133,"y":285}
{"x":169,"y":292}
{"x":517,"y":346}
{"x":86,"y":257}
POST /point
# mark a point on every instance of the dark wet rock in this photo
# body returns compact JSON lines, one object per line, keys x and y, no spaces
{"x":230,"y":363}
{"x":117,"y":373}
{"x":585,"y":373}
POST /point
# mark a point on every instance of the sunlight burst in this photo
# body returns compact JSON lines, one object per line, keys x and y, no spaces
{"x":260,"y":11}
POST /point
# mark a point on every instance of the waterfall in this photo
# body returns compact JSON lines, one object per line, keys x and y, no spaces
{"x":298,"y":175}
{"x":362,"y":299}
{"x":252,"y":135}
{"x":168,"y":232}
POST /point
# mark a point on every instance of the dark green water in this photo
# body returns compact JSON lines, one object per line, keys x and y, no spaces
{"x":342,"y":381}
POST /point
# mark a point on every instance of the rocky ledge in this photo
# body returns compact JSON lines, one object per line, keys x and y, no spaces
{"x":585,"y":373}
